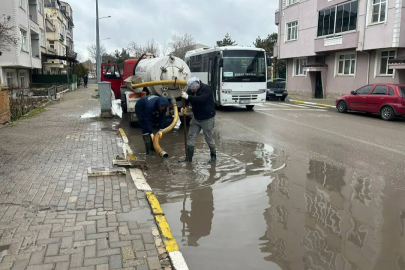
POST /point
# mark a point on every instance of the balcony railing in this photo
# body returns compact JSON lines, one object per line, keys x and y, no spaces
{"x":61,"y":37}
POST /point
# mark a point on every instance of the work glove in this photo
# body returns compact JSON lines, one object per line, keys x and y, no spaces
{"x":152,"y":136}
{"x":183,"y":110}
{"x":160,"y":134}
{"x":184,"y":95}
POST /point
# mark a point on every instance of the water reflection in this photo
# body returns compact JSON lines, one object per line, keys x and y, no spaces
{"x":197,"y":222}
{"x":323,"y":216}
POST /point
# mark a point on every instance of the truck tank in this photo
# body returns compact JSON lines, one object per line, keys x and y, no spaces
{"x":162,"y":69}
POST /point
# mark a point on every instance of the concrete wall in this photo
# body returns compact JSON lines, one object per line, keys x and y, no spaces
{"x":307,"y":27}
{"x":297,"y":83}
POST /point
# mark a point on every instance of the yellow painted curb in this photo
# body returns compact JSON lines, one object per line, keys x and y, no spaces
{"x":131,"y":157}
{"x":298,"y":101}
{"x":169,"y":240}
{"x":323,"y":105}
{"x":154,"y":203}
{"x":122,"y":132}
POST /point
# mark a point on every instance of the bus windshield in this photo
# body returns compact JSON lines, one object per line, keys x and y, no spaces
{"x":243,"y":66}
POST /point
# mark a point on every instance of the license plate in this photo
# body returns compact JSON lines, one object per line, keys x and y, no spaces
{"x":244,"y":101}
{"x":279,"y":95}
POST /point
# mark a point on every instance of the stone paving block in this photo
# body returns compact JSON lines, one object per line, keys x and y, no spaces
{"x":95,"y":261}
{"x":62,"y":266}
{"x":96,"y":236}
{"x":102,"y":243}
{"x":77,"y":260}
{"x":37,"y":257}
{"x":67,"y":242}
{"x":20,"y":265}
{"x":115,"y":262}
{"x":90,"y":252}
{"x":154,"y":263}
{"x":127,"y":253}
{"x":41,"y":267}
{"x":120,"y":244}
{"x":55,"y":259}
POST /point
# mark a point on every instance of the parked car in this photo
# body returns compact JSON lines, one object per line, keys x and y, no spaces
{"x":388,"y":100}
{"x":276,"y":89}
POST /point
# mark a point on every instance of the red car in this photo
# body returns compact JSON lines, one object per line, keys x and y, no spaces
{"x":388,"y":100}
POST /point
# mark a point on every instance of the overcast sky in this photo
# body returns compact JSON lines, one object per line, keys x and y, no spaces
{"x":206,"y":20}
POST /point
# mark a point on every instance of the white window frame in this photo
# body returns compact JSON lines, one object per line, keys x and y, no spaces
{"x":291,"y":2}
{"x":23,"y":40}
{"x":40,"y":6}
{"x":22,"y":79}
{"x":338,"y":60}
{"x":378,"y":63}
{"x":23,"y":4}
{"x":9,"y":75}
{"x":299,"y":60}
{"x":52,"y":45}
{"x":42,"y":39}
{"x":370,"y":13}
{"x":286,"y":30}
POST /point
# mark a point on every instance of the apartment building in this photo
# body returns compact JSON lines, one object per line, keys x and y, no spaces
{"x":27,"y":20}
{"x":333,"y":47}
{"x":59,"y":36}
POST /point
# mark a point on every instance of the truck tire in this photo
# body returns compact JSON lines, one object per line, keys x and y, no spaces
{"x":132,"y":121}
{"x":123,"y":101}
{"x":249,"y":107}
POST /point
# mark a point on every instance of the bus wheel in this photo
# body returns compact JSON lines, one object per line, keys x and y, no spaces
{"x":249,"y":107}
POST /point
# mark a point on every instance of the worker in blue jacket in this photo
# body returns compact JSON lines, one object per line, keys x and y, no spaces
{"x":147,"y":108}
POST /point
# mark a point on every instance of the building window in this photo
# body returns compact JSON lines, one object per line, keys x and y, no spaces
{"x":378,"y":11}
{"x":384,"y":57}
{"x":42,"y":38}
{"x":292,"y":31}
{"x":52,"y":44}
{"x":298,"y":67}
{"x":9,"y":79}
{"x":338,"y":19}
{"x":23,"y":4}
{"x":23,"y":40}
{"x":22,"y":79}
{"x":292,"y":2}
{"x":346,"y":64}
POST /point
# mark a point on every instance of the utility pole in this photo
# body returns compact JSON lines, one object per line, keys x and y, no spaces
{"x":98,"y":60}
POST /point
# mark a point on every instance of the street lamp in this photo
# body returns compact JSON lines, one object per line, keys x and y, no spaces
{"x":98,"y":44}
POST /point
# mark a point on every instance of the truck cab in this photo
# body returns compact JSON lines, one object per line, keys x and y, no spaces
{"x":110,"y":72}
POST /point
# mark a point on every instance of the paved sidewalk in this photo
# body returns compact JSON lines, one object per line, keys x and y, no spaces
{"x":52,"y":215}
{"x":328,"y":101}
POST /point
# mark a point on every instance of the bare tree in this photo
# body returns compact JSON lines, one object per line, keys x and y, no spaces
{"x":164,"y":48}
{"x":7,"y":37}
{"x":182,"y":44}
{"x":92,"y":50}
{"x":136,"y":50}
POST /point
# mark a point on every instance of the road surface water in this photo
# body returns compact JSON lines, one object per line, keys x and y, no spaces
{"x":261,"y":207}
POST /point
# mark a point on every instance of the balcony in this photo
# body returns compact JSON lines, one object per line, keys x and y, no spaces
{"x":50,"y":50}
{"x":277,"y":17}
{"x":49,"y":25}
{"x":348,"y":40}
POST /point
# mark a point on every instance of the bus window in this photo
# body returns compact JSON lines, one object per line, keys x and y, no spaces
{"x":243,"y":66}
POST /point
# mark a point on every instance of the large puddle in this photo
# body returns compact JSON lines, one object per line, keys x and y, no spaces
{"x":261,"y":208}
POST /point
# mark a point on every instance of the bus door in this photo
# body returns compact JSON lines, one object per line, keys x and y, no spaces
{"x":213,"y":78}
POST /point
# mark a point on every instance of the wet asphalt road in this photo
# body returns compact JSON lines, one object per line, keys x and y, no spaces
{"x":295,"y":187}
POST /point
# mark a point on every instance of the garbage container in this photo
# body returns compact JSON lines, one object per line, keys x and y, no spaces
{"x":104,"y":90}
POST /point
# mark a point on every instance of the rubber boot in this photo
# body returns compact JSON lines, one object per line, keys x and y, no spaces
{"x":213,"y":155}
{"x":190,"y":153}
{"x":148,"y":143}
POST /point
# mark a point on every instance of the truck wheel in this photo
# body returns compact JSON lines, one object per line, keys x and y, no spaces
{"x":123,"y":101}
{"x":282,"y":99}
{"x":249,"y":107}
{"x":132,"y":121}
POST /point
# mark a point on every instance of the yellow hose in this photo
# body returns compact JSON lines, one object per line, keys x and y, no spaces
{"x":156,"y":145}
{"x":167,"y":82}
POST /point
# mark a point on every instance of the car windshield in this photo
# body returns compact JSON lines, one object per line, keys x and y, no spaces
{"x":402,"y":90}
{"x":243,"y":66}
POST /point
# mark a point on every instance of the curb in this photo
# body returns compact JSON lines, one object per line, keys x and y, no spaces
{"x":312,"y":103}
{"x":176,"y":257}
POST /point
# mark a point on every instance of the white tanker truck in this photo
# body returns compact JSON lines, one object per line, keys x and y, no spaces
{"x":163,"y":76}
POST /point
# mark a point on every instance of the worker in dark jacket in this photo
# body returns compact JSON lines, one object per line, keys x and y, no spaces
{"x":202,"y":101}
{"x":146,"y":108}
